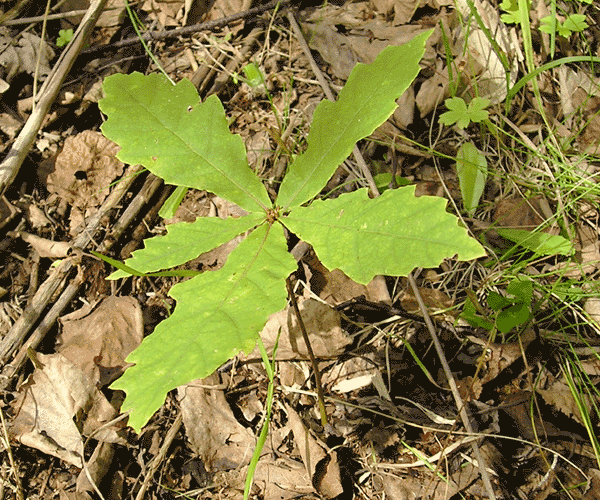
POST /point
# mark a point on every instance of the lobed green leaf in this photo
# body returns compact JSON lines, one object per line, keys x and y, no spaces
{"x":164,"y":128}
{"x":365,"y":102}
{"x":185,"y":241}
{"x":391,"y":234}
{"x":218,"y":314}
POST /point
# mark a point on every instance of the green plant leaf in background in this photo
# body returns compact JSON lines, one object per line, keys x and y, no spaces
{"x":365,"y":102}
{"x":165,"y":129}
{"x":167,"y":211}
{"x":391,"y":234}
{"x":461,"y":114}
{"x":471,"y":167}
{"x":574,"y":23}
{"x":64,"y":37}
{"x":515,"y":309}
{"x":539,"y":243}
{"x":218,"y":314}
{"x":511,"y":9}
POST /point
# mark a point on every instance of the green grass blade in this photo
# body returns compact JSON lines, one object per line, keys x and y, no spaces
{"x":390,"y":235}
{"x":164,"y":128}
{"x":365,"y":102}
{"x":264,"y":431}
{"x":218,"y":314}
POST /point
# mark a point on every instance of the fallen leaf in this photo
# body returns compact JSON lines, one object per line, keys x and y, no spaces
{"x":214,"y":433}
{"x":57,"y":406}
{"x":323,"y":325}
{"x":83,"y":173}
{"x":98,"y":339}
{"x":21,"y":55}
{"x":320,"y":462}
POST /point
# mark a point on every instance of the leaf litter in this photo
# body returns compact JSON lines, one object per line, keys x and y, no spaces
{"x":483,"y":369}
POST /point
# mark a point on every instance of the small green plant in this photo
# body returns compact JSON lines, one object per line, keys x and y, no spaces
{"x":508,"y":311}
{"x":463,"y":114}
{"x":511,"y":11}
{"x":220,"y":313}
{"x":64,"y":37}
{"x":471,"y":168}
{"x":574,"y":23}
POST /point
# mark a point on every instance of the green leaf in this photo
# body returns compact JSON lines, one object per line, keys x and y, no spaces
{"x":498,"y":302}
{"x":254,"y":75}
{"x":511,"y":9}
{"x":471,"y":167}
{"x":185,"y":241}
{"x":218,"y":314}
{"x":470,"y":315}
{"x":515,"y":315}
{"x":549,"y":25}
{"x":575,"y":23}
{"x":164,"y":128}
{"x":391,"y":234}
{"x":170,"y":206}
{"x":383,"y":181}
{"x":461,"y":114}
{"x":64,"y":37}
{"x":365,"y":102}
{"x":539,"y":243}
{"x":522,"y":288}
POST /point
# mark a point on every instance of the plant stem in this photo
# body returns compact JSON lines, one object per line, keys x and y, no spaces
{"x":311,"y":354}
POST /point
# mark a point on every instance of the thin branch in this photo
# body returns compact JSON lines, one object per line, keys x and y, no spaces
{"x":189,"y":30}
{"x":311,"y":354}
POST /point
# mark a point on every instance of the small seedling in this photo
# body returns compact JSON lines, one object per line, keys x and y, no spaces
{"x":64,"y":37}
{"x":461,"y":114}
{"x":574,"y":23}
{"x":221,"y":313}
{"x":511,"y":11}
{"x":508,"y":311}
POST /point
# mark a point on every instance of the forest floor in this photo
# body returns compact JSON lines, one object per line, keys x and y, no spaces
{"x":509,"y":408}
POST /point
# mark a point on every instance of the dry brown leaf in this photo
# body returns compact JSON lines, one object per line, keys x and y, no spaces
{"x":500,"y":356}
{"x":434,"y":299}
{"x":168,"y":12}
{"x":322,"y":324}
{"x":559,"y":395}
{"x":335,"y":287}
{"x":98,"y":339}
{"x":406,"y":487}
{"x":592,"y":307}
{"x":432,"y":91}
{"x":361,"y":41}
{"x":57,"y":406}
{"x":113,"y":14}
{"x":350,"y":375}
{"x":518,"y":213}
{"x":214,"y":433}
{"x":21,"y":55}
{"x":83,"y":173}
{"x":587,"y":253}
{"x":480,"y":61}
{"x":320,"y":462}
{"x":42,"y":246}
{"x":281,"y":478}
